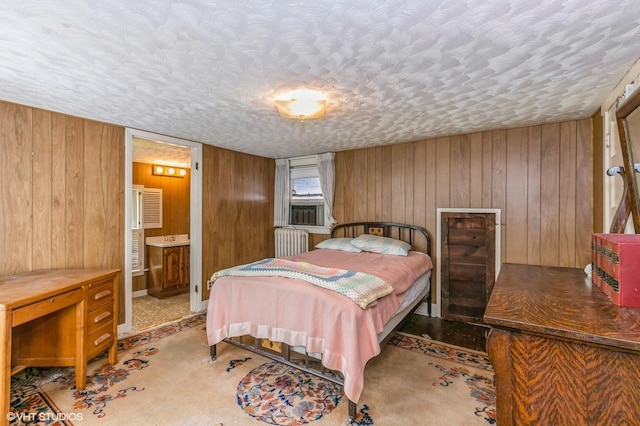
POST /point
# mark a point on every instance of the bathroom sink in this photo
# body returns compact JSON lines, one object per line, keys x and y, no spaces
{"x":168,"y":241}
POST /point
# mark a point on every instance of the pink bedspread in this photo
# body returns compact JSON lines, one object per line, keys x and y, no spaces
{"x":301,"y":314}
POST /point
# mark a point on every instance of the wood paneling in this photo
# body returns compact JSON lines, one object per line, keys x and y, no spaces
{"x":516,"y":181}
{"x":540,"y":177}
{"x":16,"y":201}
{"x":62,"y":198}
{"x":237,"y":209}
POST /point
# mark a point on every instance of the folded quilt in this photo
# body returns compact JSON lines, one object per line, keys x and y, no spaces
{"x":362,"y":288}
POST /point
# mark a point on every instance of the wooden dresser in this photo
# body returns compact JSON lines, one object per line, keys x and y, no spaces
{"x":56,"y":317}
{"x":562,"y":352}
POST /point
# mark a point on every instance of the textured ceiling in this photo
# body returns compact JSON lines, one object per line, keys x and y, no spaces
{"x":394,"y":71}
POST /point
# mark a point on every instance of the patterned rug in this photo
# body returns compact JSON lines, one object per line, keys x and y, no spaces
{"x":165,"y":377}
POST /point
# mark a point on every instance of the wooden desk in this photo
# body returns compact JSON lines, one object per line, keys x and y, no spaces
{"x":57,"y":317}
{"x":562,"y":352}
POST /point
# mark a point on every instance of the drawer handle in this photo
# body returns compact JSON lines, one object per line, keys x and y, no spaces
{"x":102,"y":295}
{"x":101,"y":317}
{"x":101,"y":339}
{"x":52,"y":300}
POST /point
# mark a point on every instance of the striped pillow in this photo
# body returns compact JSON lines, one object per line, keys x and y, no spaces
{"x":383,"y":245}
{"x":343,"y":244}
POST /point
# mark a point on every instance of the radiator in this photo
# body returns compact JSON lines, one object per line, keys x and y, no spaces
{"x":291,"y":241}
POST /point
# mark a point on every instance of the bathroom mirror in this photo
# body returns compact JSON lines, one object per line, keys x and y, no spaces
{"x":628,"y":123}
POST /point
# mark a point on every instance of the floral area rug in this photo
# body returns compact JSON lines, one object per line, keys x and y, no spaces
{"x":165,"y":376}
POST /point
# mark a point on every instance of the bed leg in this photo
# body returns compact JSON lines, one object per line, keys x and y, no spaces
{"x":352,"y":412}
{"x":212,"y":352}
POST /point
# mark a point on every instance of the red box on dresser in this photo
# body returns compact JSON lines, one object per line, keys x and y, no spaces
{"x":617,"y":267}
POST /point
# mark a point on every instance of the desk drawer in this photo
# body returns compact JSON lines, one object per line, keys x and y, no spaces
{"x":100,"y":293}
{"x":100,"y":339}
{"x":99,"y":316}
{"x":46,"y":306}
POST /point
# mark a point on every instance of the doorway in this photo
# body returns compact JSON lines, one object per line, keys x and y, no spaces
{"x":194,"y":256}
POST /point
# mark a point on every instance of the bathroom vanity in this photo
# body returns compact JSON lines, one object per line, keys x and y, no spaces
{"x":168,"y":258}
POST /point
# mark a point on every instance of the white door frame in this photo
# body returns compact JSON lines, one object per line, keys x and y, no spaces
{"x":437,"y":309}
{"x":195,"y":232}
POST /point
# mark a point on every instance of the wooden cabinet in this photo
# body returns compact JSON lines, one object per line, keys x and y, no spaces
{"x":169,"y":270}
{"x":468,"y":264}
{"x":562,"y":352}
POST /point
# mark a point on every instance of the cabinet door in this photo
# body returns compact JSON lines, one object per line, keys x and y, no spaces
{"x":172,"y":266}
{"x":468,"y":264}
{"x":186,"y":253}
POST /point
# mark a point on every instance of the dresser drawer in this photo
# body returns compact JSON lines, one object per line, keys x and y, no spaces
{"x":100,"y":292}
{"x":100,"y":339}
{"x":46,"y":306}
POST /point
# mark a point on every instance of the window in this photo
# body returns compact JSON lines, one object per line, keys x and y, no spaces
{"x":299,"y":197}
{"x":306,"y":201}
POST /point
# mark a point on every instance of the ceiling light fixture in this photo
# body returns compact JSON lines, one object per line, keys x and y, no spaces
{"x":301,"y":104}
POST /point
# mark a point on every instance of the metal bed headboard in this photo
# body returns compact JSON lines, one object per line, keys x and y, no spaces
{"x":399,"y":231}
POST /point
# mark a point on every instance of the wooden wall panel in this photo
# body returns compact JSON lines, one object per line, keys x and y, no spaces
{"x":419,"y":205}
{"x":409,"y":181}
{"x":237,"y":209}
{"x":360,"y":178}
{"x":460,"y":171}
{"x":103,"y":187}
{"x":499,"y":181}
{"x":62,"y":191}
{"x":386,"y":182}
{"x":550,"y":195}
{"x":371,"y":192}
{"x":74,"y":195}
{"x":443,"y":171}
{"x":533,"y":195}
{"x":430,"y":186}
{"x":16,"y":251}
{"x":516,"y":180}
{"x":398,"y":174}
{"x":41,"y":189}
{"x":567,"y":194}
{"x":515,"y":170}
{"x":58,"y":191}
{"x":586,"y":217}
{"x":487,"y":170}
{"x":475,"y":170}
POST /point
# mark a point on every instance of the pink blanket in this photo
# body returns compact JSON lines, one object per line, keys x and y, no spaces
{"x":301,"y":314}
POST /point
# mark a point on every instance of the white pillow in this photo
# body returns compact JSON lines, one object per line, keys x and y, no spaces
{"x":343,"y":244}
{"x":383,"y":245}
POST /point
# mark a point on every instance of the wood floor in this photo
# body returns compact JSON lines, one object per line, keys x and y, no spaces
{"x":466,"y":335}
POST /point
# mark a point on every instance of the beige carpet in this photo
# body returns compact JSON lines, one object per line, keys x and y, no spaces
{"x":165,"y":377}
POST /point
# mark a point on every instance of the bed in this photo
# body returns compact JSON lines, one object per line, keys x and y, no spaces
{"x":313,"y":325}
